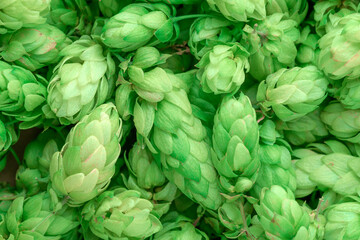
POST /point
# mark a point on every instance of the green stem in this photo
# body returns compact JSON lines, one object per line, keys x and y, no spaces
{"x":242,"y":210}
{"x":180,"y":18}
{"x":58,"y":130}
{"x":15,"y":155}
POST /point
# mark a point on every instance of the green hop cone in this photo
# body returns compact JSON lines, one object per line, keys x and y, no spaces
{"x":241,"y":10}
{"x":179,"y":227}
{"x":236,"y":144}
{"x":137,"y":25}
{"x":37,"y":218}
{"x":348,"y":93}
{"x":293,"y":93}
{"x":330,"y":169}
{"x":271,"y":45}
{"x":176,"y":2}
{"x":82,"y":80}
{"x":308,"y":47}
{"x":342,"y":123}
{"x":8,"y":136}
{"x":293,"y":9}
{"x":22,"y":94}
{"x":16,"y":14}
{"x":120,"y":214}
{"x":339,"y":49}
{"x":84,"y":166}
{"x":306,"y":129}
{"x":343,"y":221}
{"x":276,"y":167}
{"x":281,"y":216}
{"x":35,"y":47}
{"x":207,"y":32}
{"x":222,"y":69}
{"x":109,"y":8}
{"x":183,"y":151}
{"x":125,"y":98}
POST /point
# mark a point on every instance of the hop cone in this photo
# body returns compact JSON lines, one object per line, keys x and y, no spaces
{"x":272,"y":45}
{"x":207,"y":32}
{"x":292,"y":9}
{"x":8,"y":136}
{"x":236,"y":144}
{"x":178,"y":1}
{"x":36,"y":218}
{"x":120,"y":214}
{"x":306,"y":129}
{"x":339,"y":49}
{"x":293,"y":93}
{"x":16,"y":14}
{"x":276,"y":167}
{"x":242,"y":10}
{"x":343,"y":221}
{"x":348,"y":93}
{"x":308,"y":47}
{"x":82,"y":80}
{"x":137,"y":25}
{"x":342,"y":123}
{"x":222,"y":69}
{"x":179,"y":227}
{"x":109,"y":8}
{"x":22,"y":94}
{"x":84,"y":166}
{"x":336,"y":171}
{"x":281,"y":216}
{"x":183,"y":150}
{"x":35,"y":47}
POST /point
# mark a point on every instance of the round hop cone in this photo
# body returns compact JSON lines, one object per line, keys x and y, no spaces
{"x":292,"y":9}
{"x":120,"y":214}
{"x":281,"y":216}
{"x":236,"y":144}
{"x":183,"y":151}
{"x":82,"y":80}
{"x":271,"y":45}
{"x":293,"y":93}
{"x":84,"y":166}
{"x":109,"y":8}
{"x":348,"y":93}
{"x":207,"y":32}
{"x":22,"y":95}
{"x":339,"y":48}
{"x":241,"y":10}
{"x":342,"y":123}
{"x":16,"y":14}
{"x":222,"y":69}
{"x":308,"y":47}
{"x":137,"y":25}
{"x":35,"y":47}
{"x":37,"y":218}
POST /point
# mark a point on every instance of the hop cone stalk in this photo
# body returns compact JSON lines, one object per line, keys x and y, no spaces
{"x":306,"y":129}
{"x":342,"y":221}
{"x":84,"y":166}
{"x":82,"y":80}
{"x":35,"y":47}
{"x":271,"y":45}
{"x":207,"y":32}
{"x":183,"y":150}
{"x":293,"y":93}
{"x":281,"y":216}
{"x":37,"y":218}
{"x":16,"y":14}
{"x":222,"y":69}
{"x":236,"y":144}
{"x":22,"y":94}
{"x":242,"y":11}
{"x":137,"y":25}
{"x":339,"y":48}
{"x":120,"y":214}
{"x":292,"y":9}
{"x":276,"y":167}
{"x":342,"y":123}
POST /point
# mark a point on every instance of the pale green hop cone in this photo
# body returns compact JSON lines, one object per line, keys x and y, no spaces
{"x":348,"y":93}
{"x":236,"y":144}
{"x":293,"y":9}
{"x":82,"y":80}
{"x":308,"y":47}
{"x":222,"y":69}
{"x":109,"y":8}
{"x":293,"y":93}
{"x":120,"y":214}
{"x":84,"y":166}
